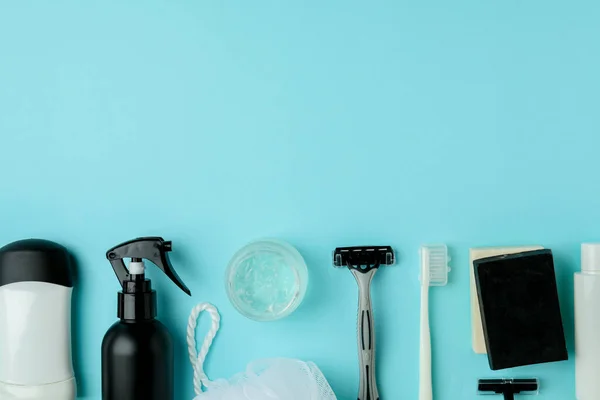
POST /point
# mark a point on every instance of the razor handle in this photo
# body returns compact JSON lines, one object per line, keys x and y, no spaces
{"x":366,"y":335}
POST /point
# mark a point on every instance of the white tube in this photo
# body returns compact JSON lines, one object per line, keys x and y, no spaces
{"x":587,"y":324}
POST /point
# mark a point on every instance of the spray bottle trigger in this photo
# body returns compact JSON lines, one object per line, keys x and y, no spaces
{"x":153,"y":249}
{"x":162,"y":261}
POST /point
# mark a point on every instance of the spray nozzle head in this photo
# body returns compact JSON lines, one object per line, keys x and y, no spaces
{"x":153,"y":249}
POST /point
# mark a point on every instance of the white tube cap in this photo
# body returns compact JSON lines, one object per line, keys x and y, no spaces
{"x":590,"y":257}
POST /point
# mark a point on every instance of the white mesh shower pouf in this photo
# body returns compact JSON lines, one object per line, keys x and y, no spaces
{"x":270,"y":379}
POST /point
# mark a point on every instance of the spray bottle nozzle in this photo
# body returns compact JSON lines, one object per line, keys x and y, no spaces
{"x":153,"y":249}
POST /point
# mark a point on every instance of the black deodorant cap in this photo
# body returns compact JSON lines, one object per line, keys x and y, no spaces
{"x":35,"y":260}
{"x":520,"y":311}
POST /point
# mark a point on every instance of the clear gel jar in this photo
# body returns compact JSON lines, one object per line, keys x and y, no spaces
{"x":266,"y":280}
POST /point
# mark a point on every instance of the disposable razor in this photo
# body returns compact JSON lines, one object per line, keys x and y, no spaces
{"x":363,"y":262}
{"x":508,"y":387}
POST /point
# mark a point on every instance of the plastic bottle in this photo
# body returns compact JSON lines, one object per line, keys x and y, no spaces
{"x":587,"y":324}
{"x":36,"y":284}
{"x":137,"y":351}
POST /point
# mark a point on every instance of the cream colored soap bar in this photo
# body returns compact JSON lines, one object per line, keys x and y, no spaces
{"x":475,"y":254}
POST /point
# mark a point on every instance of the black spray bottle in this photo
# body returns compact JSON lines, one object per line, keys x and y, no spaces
{"x":137,"y":351}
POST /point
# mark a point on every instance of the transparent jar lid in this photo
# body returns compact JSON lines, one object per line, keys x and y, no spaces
{"x":266,"y":280}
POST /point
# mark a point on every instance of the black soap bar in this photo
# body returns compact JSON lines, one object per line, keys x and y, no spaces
{"x":520,"y":311}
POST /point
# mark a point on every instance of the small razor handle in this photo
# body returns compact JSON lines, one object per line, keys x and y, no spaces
{"x":366,"y":336}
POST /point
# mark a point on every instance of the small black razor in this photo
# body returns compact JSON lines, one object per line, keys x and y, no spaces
{"x":508,"y":387}
{"x":363,"y":262}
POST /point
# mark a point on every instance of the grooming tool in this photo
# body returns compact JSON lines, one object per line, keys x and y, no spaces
{"x":587,"y":324}
{"x":434,"y":272}
{"x":478,"y":340}
{"x":137,"y":351}
{"x":363,"y":262}
{"x":520,"y":311}
{"x":36,"y":285}
{"x":508,"y":387}
{"x":266,"y":280}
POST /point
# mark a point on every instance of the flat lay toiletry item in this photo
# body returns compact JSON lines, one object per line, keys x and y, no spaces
{"x":508,"y":387}
{"x":520,"y":311}
{"x":363,"y":262}
{"x":269,"y":379}
{"x":477,"y":337}
{"x":587,"y":324}
{"x":36,"y":284}
{"x":266,"y":280}
{"x":137,"y":351}
{"x":434,"y":272}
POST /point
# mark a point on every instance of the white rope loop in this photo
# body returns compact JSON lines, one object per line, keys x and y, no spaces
{"x":197,"y":359}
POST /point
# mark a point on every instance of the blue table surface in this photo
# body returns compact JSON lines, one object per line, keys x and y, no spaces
{"x":334,"y":123}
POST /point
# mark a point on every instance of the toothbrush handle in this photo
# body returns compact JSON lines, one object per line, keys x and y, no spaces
{"x":425,"y":389}
{"x":366,"y":337}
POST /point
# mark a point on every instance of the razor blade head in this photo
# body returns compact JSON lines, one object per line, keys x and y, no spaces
{"x":363,"y":256}
{"x":508,"y":386}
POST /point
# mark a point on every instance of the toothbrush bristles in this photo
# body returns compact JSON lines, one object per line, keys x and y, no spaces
{"x":434,"y":264}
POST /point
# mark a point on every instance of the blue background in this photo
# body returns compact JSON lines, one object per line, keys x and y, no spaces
{"x":322,"y":123}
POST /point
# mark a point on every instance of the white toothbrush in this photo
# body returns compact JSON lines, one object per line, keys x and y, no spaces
{"x":434,"y":272}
